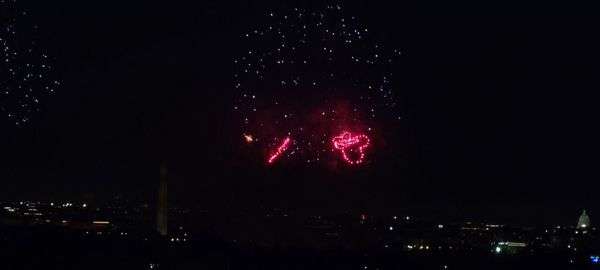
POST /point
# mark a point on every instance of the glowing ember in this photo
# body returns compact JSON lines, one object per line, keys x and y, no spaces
{"x":248,"y":138}
{"x":284,"y":145}
{"x":348,"y":144}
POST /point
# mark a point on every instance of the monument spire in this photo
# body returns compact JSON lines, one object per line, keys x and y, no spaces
{"x":162,"y":209}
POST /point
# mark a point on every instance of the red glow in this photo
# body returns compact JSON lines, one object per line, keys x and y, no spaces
{"x":284,"y":145}
{"x":347,"y":142}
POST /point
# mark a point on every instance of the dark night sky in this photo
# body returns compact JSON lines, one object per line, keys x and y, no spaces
{"x":499,"y":113}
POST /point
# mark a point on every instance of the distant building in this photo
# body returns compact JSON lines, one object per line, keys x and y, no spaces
{"x":584,"y":221}
{"x":509,"y":247}
{"x":162,"y":213}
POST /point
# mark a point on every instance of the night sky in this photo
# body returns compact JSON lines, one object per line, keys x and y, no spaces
{"x":497,"y":104}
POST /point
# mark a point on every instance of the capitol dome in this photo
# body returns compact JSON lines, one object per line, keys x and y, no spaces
{"x":584,"y":221}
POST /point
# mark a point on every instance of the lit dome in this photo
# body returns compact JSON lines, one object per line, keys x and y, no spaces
{"x":584,"y":221}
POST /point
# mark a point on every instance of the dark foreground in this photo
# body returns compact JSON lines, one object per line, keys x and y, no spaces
{"x":54,"y":249}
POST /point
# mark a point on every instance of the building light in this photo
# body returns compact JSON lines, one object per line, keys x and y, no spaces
{"x":498,"y":250}
{"x":595,"y":259}
{"x":100,"y":222}
{"x":391,"y":228}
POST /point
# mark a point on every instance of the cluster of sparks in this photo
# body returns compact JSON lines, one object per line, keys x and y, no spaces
{"x":284,"y":145}
{"x":349,"y":144}
{"x":308,"y":75}
{"x":24,"y":69}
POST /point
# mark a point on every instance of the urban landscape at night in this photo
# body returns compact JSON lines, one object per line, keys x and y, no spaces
{"x":269,"y":239}
{"x":367,"y":135}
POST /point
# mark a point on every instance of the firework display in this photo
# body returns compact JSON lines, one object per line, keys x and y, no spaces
{"x":25,"y":69}
{"x":351,"y":146}
{"x":307,"y":76}
{"x":284,"y":145}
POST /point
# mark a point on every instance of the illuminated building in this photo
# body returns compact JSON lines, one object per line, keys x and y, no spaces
{"x":509,"y":247}
{"x":161,"y":217}
{"x":584,"y":221}
{"x":100,"y":222}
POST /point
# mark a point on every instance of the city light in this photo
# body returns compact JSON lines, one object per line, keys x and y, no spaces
{"x":100,"y":222}
{"x":595,"y":259}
